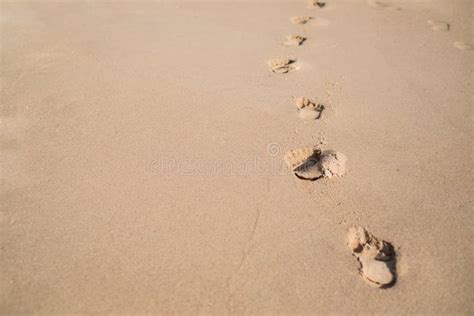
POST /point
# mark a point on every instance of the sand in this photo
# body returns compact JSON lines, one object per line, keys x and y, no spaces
{"x":142,"y":156}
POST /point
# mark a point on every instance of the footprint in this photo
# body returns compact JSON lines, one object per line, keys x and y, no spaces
{"x":294,"y":40}
{"x":463,"y":45}
{"x":439,"y":25}
{"x":377,"y":4}
{"x":300,"y":19}
{"x":311,"y":163}
{"x":282,"y":65}
{"x":315,"y":3}
{"x":380,"y":4}
{"x":308,"y":109}
{"x":376,"y":257}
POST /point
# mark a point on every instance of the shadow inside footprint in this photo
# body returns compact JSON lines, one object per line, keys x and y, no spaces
{"x":392,"y":266}
{"x":320,"y":4}
{"x":316,"y":3}
{"x":311,"y":168}
{"x":319,"y":109}
{"x":294,"y":40}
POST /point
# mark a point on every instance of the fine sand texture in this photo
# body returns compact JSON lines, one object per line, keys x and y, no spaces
{"x":142,"y":155}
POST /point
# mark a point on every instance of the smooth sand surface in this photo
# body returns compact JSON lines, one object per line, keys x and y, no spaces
{"x":142,"y":153}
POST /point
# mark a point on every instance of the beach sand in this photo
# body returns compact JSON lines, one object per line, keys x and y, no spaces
{"x":142,"y":155}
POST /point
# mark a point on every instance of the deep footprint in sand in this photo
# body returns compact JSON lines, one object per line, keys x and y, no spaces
{"x":376,"y":257}
{"x":300,"y":19}
{"x":309,"y":109}
{"x":316,"y":4}
{"x":311,"y":163}
{"x":282,"y":65}
{"x":294,"y":40}
{"x":463,"y":45}
{"x":438,"y":25}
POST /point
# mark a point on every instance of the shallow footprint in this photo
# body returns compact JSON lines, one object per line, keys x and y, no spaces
{"x":380,"y":4}
{"x":438,"y":25}
{"x":311,"y":163}
{"x":308,"y":109}
{"x":377,"y":4}
{"x":282,"y":65}
{"x":300,"y":19}
{"x":315,"y":3}
{"x":376,"y":257}
{"x":294,"y":40}
{"x":463,"y":45}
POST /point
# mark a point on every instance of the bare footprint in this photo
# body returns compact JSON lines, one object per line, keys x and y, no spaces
{"x":294,"y":40}
{"x":381,"y":4}
{"x":316,"y":4}
{"x":376,"y":257}
{"x":377,"y":4}
{"x":308,"y":109}
{"x":311,"y":163}
{"x":463,"y":45}
{"x":282,"y":65}
{"x":439,"y":25}
{"x":300,"y":19}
